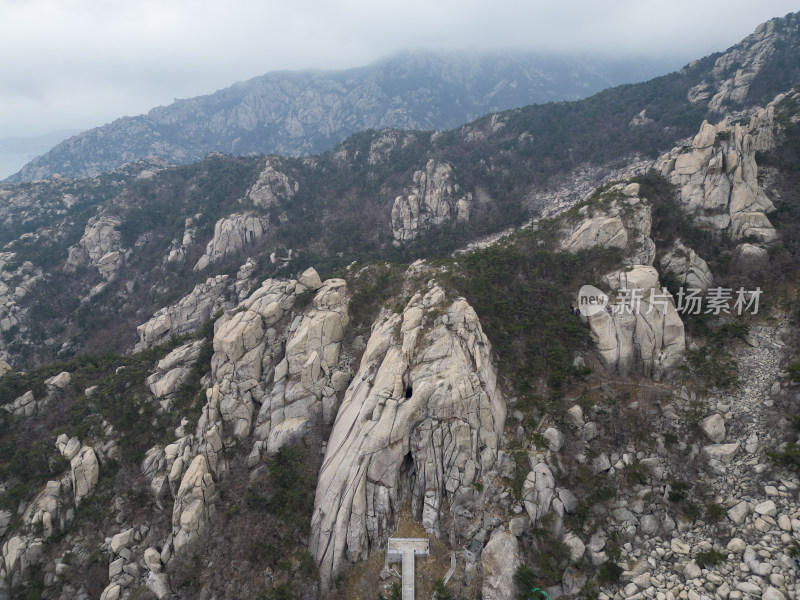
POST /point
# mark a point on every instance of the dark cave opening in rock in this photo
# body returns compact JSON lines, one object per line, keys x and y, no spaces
{"x":409,"y":391}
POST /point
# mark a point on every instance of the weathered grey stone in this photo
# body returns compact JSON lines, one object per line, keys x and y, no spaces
{"x":500,"y":560}
{"x":59,"y":382}
{"x":124,"y":539}
{"x":767,"y":508}
{"x":231,"y":235}
{"x":679,"y":546}
{"x":648,"y":339}
{"x":736,"y":544}
{"x":554,"y":438}
{"x":432,"y":199}
{"x":538,"y":492}
{"x":575,"y":545}
{"x":85,"y":473}
{"x":152,"y":560}
{"x":738,"y":513}
{"x":158,"y":583}
{"x":310,"y":279}
{"x":684,"y":263}
{"x":772,"y":594}
{"x":692,"y":570}
{"x":714,"y":427}
{"x":421,"y":382}
{"x":724,"y":453}
{"x":517,"y":525}
{"x":649,"y":524}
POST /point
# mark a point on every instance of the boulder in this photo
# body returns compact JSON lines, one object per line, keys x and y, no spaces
{"x":766,"y":508}
{"x":538,"y":492}
{"x":714,"y":427}
{"x":500,"y":560}
{"x":575,"y":545}
{"x":158,"y":583}
{"x":554,"y":438}
{"x":723,"y":453}
{"x":193,"y":504}
{"x":310,"y":279}
{"x":286,"y":433}
{"x":152,"y":560}
{"x":738,"y":513}
{"x":85,"y":473}
{"x":122,"y":540}
{"x":58,"y":382}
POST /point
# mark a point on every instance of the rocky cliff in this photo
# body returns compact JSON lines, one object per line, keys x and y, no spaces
{"x":421,"y":423}
{"x":262,"y":429}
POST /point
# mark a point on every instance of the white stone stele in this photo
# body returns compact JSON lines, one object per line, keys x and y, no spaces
{"x":404,"y":550}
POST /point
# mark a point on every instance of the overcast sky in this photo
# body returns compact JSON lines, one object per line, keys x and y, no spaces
{"x":67,"y":64}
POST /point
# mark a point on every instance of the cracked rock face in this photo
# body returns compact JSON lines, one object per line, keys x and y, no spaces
{"x":432,"y":200}
{"x":735,"y":70}
{"x":248,"y":346}
{"x":193,"y":504}
{"x":272,"y":185}
{"x":718,"y":177}
{"x":186,"y":315}
{"x":685,"y":264}
{"x":500,"y":560}
{"x":85,"y":473}
{"x":99,"y":247}
{"x":421,"y":422}
{"x":625,"y":223}
{"x":275,"y":373}
{"x":649,"y":340}
{"x":231,"y":235}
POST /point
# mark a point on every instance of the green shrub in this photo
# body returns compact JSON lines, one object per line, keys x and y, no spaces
{"x":710,"y":558}
{"x":440,"y":592}
{"x":714,"y":511}
{"x":308,"y":566}
{"x":609,"y":573}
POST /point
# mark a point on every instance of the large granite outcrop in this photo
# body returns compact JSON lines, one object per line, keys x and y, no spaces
{"x":433,"y":198}
{"x":619,"y":218}
{"x":275,"y":373}
{"x":272,"y":185}
{"x":647,"y":335}
{"x":728,"y":83}
{"x":293,"y":368}
{"x":687,"y":267}
{"x":421,"y":422}
{"x":99,"y":247}
{"x":172,"y":372}
{"x":233,"y":234}
{"x":186,"y":315}
{"x":717,"y":177}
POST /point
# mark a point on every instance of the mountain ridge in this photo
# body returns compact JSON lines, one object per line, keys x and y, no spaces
{"x":307,"y":112}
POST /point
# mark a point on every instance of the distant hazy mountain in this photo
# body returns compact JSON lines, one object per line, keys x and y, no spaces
{"x":297,"y":113}
{"x":16,"y":152}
